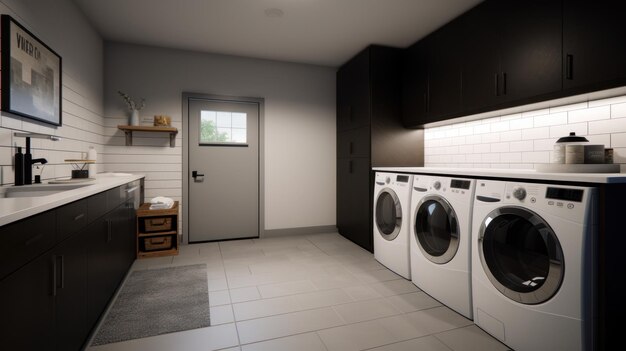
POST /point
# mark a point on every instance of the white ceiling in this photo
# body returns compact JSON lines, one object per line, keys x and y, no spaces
{"x":320,"y":32}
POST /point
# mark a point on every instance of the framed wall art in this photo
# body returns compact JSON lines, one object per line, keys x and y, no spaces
{"x":31,"y":75}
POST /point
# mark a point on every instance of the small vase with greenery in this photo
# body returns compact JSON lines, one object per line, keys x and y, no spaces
{"x":134,"y":107}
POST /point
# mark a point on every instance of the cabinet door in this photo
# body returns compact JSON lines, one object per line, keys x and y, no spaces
{"x":444,"y":73}
{"x":343,"y":195}
{"x":353,"y":201}
{"x":27,"y":305}
{"x":71,"y":299}
{"x":593,"y":44}
{"x":353,"y":93}
{"x":530,"y":48}
{"x":414,"y":103}
{"x":101,"y":281}
{"x":481,"y":62}
{"x":123,"y":239}
{"x":353,"y":143}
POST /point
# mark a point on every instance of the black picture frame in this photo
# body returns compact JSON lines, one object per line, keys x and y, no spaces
{"x":31,"y":75}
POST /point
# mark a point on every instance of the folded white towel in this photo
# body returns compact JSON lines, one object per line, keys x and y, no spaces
{"x":161,"y":203}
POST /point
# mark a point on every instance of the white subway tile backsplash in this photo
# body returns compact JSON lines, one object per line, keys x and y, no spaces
{"x":565,"y":108}
{"x":523,"y":140}
{"x":521,"y":123}
{"x":590,"y":114}
{"x":550,"y":119}
{"x":610,"y":126}
{"x":564,"y":130}
{"x":618,"y":111}
{"x":536,"y":133}
{"x":526,"y":145}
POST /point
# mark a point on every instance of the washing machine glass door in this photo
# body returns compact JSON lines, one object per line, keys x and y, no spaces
{"x":521,"y":255}
{"x":388,"y":216}
{"x":436,"y":229}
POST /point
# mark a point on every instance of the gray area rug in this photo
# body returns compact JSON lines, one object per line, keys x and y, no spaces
{"x":158,"y":301}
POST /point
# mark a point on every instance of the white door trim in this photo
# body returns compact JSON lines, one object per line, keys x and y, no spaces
{"x":185,"y":165}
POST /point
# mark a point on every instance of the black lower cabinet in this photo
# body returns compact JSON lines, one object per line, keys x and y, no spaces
{"x":354,"y":216}
{"x":27,"y":303}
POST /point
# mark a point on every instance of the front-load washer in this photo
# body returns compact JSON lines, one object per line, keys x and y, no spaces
{"x":391,"y":224}
{"x":441,"y":214}
{"x":532,"y":264}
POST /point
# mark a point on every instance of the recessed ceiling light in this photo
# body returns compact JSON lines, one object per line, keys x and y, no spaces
{"x":274,"y":12}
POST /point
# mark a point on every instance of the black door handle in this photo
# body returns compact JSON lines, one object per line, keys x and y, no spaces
{"x":196,"y":174}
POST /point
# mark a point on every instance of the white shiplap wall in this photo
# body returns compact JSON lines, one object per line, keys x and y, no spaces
{"x":81,"y":49}
{"x":523,"y":140}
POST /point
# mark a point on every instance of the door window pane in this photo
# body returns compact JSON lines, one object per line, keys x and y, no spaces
{"x":223,"y":127}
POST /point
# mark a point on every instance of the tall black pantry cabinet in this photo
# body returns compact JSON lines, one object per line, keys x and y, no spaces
{"x":369,"y":134}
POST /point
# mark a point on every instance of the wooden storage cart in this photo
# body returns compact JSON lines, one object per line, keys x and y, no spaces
{"x":157,"y":231}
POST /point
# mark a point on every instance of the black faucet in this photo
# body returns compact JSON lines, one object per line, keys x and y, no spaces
{"x":29,"y":162}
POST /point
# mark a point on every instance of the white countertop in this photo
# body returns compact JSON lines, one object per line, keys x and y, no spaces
{"x":594,"y":178}
{"x":14,"y":209}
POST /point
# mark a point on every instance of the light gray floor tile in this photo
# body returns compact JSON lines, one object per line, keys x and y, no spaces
{"x":205,"y":339}
{"x":470,"y":338}
{"x":436,"y":320}
{"x":301,"y":342}
{"x":244,"y":294}
{"x":361,"y":292}
{"x":381,"y":275}
{"x":334,"y":281}
{"x":221,"y":314}
{"x":395,"y":287}
{"x":287,"y":288}
{"x":287,"y":324}
{"x":218,"y":298}
{"x":265,"y":307}
{"x":365,"y":310}
{"x":322,"y":298}
{"x":413,"y":302}
{"x":237,"y":271}
{"x":426,"y":343}
{"x":217,"y":284}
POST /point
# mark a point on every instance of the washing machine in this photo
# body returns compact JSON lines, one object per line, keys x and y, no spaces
{"x":441,"y":209}
{"x":392,"y":194}
{"x":532,"y":264}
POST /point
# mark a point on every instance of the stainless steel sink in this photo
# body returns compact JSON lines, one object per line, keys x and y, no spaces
{"x":37,"y":190}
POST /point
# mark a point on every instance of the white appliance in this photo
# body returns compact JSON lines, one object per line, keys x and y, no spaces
{"x":532,"y":271}
{"x":392,"y":194}
{"x":441,"y":214}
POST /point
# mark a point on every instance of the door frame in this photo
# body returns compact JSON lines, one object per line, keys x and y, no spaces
{"x":186,"y":97}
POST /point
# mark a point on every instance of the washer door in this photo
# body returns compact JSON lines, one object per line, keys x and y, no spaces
{"x":388,"y":214}
{"x":521,"y":255}
{"x":436,"y":229}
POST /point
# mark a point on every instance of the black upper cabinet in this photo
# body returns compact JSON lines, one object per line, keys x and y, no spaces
{"x":511,"y":53}
{"x":414,"y":85}
{"x":594,"y":49}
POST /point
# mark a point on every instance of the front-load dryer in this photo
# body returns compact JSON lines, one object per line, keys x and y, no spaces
{"x":441,"y":213}
{"x":391,"y":223}
{"x":532,"y":264}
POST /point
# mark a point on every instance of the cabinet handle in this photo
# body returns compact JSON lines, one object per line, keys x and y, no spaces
{"x":350,"y":166}
{"x":128,"y":191}
{"x":495,"y":80}
{"x":351,"y":148}
{"x":503,"y":83}
{"x":79,"y":216}
{"x":569,"y":67}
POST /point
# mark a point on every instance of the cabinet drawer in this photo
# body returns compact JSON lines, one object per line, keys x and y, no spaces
{"x":72,"y":218}
{"x":25,"y":240}
{"x":354,"y":143}
{"x":156,"y":224}
{"x":157,"y":243}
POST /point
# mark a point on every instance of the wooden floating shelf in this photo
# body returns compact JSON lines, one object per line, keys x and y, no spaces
{"x":128,"y":130}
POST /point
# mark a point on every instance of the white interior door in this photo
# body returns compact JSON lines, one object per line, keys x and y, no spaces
{"x":223,"y":170}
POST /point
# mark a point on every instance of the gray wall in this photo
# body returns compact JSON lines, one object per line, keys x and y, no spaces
{"x":63,"y":27}
{"x":299,"y":124}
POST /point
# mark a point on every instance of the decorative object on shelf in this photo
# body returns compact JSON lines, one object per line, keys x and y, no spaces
{"x":134,"y":107}
{"x":162,"y":121}
{"x":128,"y":130}
{"x":78,"y":166}
{"x":31,"y":75}
{"x":576,"y":154}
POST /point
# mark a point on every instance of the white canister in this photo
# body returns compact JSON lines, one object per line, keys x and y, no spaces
{"x":92,"y":155}
{"x":559,"y":152}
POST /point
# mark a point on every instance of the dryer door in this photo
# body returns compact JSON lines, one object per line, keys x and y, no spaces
{"x":436,"y":229}
{"x":521,"y":255}
{"x":388,"y":215}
